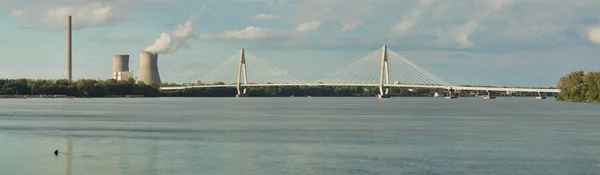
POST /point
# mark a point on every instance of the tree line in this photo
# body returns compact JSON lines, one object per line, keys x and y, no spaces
{"x":578,"y":86}
{"x":112,"y":88}
{"x":79,"y":88}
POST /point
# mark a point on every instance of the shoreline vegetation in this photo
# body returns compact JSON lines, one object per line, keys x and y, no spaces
{"x":88,"y":88}
{"x":579,"y":86}
{"x":31,"y":88}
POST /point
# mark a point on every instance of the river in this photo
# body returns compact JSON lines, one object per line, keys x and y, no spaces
{"x":319,"y":135}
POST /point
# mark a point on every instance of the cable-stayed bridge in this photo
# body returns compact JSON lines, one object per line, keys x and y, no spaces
{"x":382,"y":68}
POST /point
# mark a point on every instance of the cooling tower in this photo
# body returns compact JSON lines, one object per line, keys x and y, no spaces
{"x":120,"y":63}
{"x":148,"y":68}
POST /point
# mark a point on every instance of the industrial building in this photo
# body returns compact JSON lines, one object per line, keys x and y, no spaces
{"x":121,"y":68}
{"x":148,"y":64}
{"x":148,"y":72}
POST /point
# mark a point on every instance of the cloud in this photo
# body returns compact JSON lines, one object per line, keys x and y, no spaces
{"x":308,"y":26}
{"x":266,"y":16}
{"x":410,"y":20}
{"x":78,"y":1}
{"x":594,"y":34}
{"x":177,"y":39}
{"x":420,"y":21}
{"x":456,"y":24}
{"x":462,"y":33}
{"x":89,"y":15}
{"x":86,"y":13}
{"x":248,"y":33}
{"x":260,"y":33}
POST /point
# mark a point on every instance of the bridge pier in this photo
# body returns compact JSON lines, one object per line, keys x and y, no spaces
{"x":384,"y":96}
{"x":385,"y":70}
{"x":541,"y":96}
{"x":242,"y":70}
{"x":451,"y":94}
{"x":489,"y":96}
{"x":241,"y":95}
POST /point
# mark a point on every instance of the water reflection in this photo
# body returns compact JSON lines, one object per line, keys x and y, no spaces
{"x":69,"y":158}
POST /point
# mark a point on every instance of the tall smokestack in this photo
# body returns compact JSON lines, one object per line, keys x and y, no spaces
{"x":149,"y":68}
{"x":69,"y":68}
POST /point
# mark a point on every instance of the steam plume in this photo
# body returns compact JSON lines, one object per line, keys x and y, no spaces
{"x":172,"y":42}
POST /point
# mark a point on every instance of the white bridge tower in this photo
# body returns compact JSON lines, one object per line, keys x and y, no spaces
{"x":385,"y":69}
{"x":242,"y":70}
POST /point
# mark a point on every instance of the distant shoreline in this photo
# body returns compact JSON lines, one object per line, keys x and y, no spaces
{"x":64,"y":96}
{"x":141,"y":96}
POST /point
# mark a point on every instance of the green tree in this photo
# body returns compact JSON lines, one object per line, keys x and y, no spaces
{"x":578,"y":86}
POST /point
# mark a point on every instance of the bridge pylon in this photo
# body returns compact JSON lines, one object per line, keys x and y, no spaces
{"x":242,"y":72}
{"x":541,"y":96}
{"x":385,"y":70}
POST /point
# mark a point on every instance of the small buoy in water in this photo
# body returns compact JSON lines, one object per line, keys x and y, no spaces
{"x":56,"y":152}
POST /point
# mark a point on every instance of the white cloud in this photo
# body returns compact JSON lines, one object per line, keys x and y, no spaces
{"x":86,"y":13}
{"x":79,"y":1}
{"x":172,"y":42}
{"x":162,"y":44}
{"x":266,"y":16}
{"x":594,"y":34}
{"x":472,"y":24}
{"x":184,"y":31}
{"x":248,"y":33}
{"x":261,"y":33}
{"x":410,"y":20}
{"x":308,"y":26}
{"x":462,"y":33}
{"x":465,"y":21}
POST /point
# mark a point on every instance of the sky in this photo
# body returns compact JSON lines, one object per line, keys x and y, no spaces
{"x":475,"y":42}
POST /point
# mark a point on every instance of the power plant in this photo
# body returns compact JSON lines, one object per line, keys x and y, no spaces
{"x":148,"y":68}
{"x":121,"y":67}
{"x":148,"y":72}
{"x":148,"y":64}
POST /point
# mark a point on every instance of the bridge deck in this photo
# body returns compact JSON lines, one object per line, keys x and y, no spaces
{"x":376,"y":85}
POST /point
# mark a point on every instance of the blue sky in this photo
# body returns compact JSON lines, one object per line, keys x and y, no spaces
{"x":480,"y":42}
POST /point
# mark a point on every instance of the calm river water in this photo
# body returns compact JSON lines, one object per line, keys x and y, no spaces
{"x":299,"y":135}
